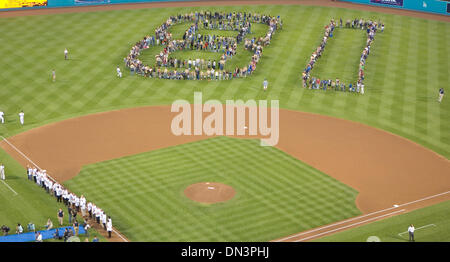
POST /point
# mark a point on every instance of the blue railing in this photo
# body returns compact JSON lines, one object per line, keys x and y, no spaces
{"x":31,"y":236}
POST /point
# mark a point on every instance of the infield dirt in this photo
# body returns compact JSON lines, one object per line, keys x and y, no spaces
{"x":385,"y":169}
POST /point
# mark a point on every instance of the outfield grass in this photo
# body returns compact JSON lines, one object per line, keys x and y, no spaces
{"x":340,"y":59}
{"x":277,"y":195}
{"x":408,"y":63}
{"x":431,"y":223}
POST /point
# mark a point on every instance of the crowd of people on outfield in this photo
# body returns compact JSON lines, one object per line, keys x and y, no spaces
{"x":169,"y":67}
{"x":311,"y":82}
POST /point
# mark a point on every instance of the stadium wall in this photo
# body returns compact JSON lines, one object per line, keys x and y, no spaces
{"x":5,"y":5}
{"x":428,"y":6}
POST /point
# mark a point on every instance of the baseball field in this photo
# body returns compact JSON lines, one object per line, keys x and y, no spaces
{"x":367,"y":164}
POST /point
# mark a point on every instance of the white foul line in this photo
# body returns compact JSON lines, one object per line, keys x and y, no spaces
{"x":9,"y":187}
{"x":429,"y":225}
{"x":359,"y":217}
{"x":20,"y":152}
{"x":367,"y":220}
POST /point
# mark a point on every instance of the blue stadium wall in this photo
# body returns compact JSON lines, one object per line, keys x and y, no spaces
{"x":429,"y":6}
{"x":70,"y":3}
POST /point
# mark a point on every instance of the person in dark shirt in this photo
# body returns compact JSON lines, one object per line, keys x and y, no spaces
{"x":66,"y":234}
{"x":69,"y":211}
{"x":5,"y":230}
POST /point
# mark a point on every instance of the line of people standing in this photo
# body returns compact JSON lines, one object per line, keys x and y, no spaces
{"x":73,"y":203}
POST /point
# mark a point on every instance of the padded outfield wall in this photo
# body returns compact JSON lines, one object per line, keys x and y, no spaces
{"x":6,"y":5}
{"x":428,"y":6}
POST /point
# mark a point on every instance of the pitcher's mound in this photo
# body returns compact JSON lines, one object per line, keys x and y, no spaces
{"x":209,"y":192}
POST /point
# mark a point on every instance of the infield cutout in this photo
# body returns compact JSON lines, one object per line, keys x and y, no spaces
{"x":209,"y":192}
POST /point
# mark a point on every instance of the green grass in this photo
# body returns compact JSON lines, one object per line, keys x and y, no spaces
{"x":340,"y":58}
{"x":30,"y":204}
{"x":408,"y":63}
{"x":277,"y":195}
{"x":388,"y":230}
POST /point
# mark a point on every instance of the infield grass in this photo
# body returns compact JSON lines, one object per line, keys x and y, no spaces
{"x":277,"y":195}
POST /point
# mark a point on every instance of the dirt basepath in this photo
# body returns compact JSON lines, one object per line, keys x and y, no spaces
{"x":386,"y":169}
{"x":328,"y":3}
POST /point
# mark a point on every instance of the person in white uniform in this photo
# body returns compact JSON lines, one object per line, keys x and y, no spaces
{"x":2,"y":172}
{"x":119,"y":73}
{"x":103,"y":219}
{"x":66,"y":54}
{"x":109,"y":227}
{"x":2,"y":118}
{"x":265,"y":84}
{"x":22,"y":117}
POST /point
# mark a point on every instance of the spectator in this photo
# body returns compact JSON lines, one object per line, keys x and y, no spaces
{"x":56,"y":234}
{"x":5,"y":230}
{"x":49,"y":224}
{"x":66,"y":234}
{"x":60,"y":216}
{"x":31,"y":227}
{"x":74,"y":214}
{"x":69,"y":211}
{"x":38,"y":237}
{"x":19,"y":229}
{"x":76,"y":227}
{"x":95,"y":239}
{"x":86,"y":227}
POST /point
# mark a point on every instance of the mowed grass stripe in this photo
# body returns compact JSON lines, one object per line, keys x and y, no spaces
{"x":99,"y":41}
{"x":280,"y":192}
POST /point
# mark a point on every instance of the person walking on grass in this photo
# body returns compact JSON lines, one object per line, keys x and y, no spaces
{"x":441,"y":94}
{"x":265,"y":84}
{"x":2,"y":118}
{"x":66,"y":54}
{"x":411,"y":233}
{"x":22,"y":117}
{"x":53,"y":75}
{"x":119,"y":73}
